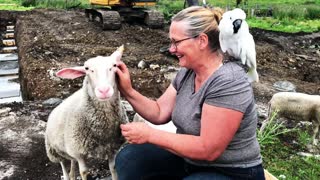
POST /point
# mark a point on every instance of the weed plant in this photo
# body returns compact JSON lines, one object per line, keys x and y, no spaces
{"x":271,"y":131}
{"x":280,"y":147}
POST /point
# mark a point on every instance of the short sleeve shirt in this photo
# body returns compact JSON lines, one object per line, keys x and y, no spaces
{"x":228,"y":87}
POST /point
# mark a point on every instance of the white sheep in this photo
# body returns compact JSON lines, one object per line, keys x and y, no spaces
{"x":87,"y":124}
{"x":297,"y":106}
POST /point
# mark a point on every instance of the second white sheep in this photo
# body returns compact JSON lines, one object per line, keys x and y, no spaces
{"x":298,"y":106}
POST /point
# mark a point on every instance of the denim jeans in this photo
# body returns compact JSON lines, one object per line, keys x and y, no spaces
{"x":149,"y":162}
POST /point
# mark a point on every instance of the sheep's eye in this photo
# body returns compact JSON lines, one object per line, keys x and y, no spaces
{"x":86,"y":68}
{"x":114,"y":65}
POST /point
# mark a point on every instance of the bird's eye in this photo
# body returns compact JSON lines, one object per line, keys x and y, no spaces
{"x":86,"y":68}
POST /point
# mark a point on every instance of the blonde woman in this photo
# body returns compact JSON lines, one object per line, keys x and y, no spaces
{"x":211,"y":104}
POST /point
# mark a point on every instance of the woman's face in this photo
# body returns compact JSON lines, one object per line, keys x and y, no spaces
{"x":183,"y":46}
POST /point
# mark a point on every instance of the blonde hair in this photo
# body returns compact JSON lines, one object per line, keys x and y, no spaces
{"x":201,"y":20}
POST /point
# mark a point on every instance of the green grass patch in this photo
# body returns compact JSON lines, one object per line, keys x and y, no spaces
{"x":281,"y":159}
{"x":285,"y":25}
{"x":12,"y":5}
{"x":169,"y":8}
{"x":288,"y":15}
{"x":271,"y":131}
{"x":279,"y":148}
{"x":261,"y":3}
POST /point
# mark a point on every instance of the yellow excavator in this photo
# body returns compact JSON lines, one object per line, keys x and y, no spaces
{"x":110,"y":13}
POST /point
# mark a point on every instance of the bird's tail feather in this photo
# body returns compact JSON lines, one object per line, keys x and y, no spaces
{"x":253,"y":75}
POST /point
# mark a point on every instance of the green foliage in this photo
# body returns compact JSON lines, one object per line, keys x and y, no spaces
{"x":288,"y":15}
{"x":281,"y":158}
{"x":313,"y":12}
{"x":169,"y":8}
{"x":261,"y":3}
{"x":13,"y":5}
{"x":300,"y":12}
{"x":271,"y":131}
{"x":280,"y":153}
{"x":59,"y":4}
{"x":28,"y":3}
{"x":304,"y":138}
{"x":285,"y":25}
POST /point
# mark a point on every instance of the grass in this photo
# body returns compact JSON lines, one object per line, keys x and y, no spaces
{"x":271,"y":131}
{"x":290,"y":16}
{"x":285,"y":25}
{"x":21,"y":5}
{"x":12,"y":5}
{"x":279,"y":152}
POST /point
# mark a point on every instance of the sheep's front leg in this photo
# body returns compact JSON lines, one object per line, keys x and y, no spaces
{"x":263,"y":125}
{"x":83,"y":169}
{"x":112,"y":169}
{"x":64,"y":171}
{"x":72,"y":173}
{"x":315,"y":125}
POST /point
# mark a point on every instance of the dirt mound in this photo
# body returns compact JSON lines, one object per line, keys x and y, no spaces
{"x":50,"y":39}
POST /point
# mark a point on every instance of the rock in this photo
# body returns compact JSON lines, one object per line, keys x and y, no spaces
{"x":284,"y":86}
{"x":154,"y":66}
{"x":4,"y":112}
{"x":52,"y":101}
{"x":52,"y":75}
{"x":142,"y":64}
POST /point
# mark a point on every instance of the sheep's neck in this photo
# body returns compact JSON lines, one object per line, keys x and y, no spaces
{"x":101,"y":126}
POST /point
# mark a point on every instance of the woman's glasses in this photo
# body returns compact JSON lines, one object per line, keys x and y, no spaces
{"x":175,"y":43}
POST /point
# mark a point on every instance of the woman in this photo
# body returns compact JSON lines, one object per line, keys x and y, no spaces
{"x":211,"y":104}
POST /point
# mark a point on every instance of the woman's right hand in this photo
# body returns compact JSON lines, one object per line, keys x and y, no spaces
{"x":124,"y":81}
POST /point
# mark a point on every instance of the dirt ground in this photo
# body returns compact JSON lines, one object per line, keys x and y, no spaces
{"x":49,"y":40}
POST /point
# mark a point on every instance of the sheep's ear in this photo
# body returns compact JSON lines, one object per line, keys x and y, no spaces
{"x":71,"y":73}
{"x":118,"y":54}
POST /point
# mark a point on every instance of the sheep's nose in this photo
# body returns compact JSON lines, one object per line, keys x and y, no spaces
{"x":104,"y":90}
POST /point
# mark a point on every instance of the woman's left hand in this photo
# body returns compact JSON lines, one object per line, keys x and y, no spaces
{"x":136,"y":132}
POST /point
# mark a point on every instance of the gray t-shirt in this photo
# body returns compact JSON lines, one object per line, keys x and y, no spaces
{"x":229,"y":88}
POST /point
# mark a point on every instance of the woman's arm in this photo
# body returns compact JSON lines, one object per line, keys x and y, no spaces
{"x":157,"y":112}
{"x":218,"y":126}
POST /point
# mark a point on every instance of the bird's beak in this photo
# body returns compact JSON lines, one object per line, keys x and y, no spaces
{"x":236,"y":25}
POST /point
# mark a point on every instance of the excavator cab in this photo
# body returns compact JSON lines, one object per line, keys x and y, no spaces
{"x":110,"y":13}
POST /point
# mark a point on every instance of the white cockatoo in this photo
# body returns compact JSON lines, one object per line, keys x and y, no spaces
{"x":236,"y":40}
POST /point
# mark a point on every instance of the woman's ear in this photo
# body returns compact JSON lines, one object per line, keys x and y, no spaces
{"x":204,"y":40}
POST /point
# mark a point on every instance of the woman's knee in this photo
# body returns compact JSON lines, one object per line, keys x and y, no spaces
{"x":126,"y":157}
{"x":136,"y":161}
{"x":127,"y":162}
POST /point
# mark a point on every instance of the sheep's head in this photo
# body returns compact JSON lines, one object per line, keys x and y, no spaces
{"x":100,"y":74}
{"x":232,"y":21}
